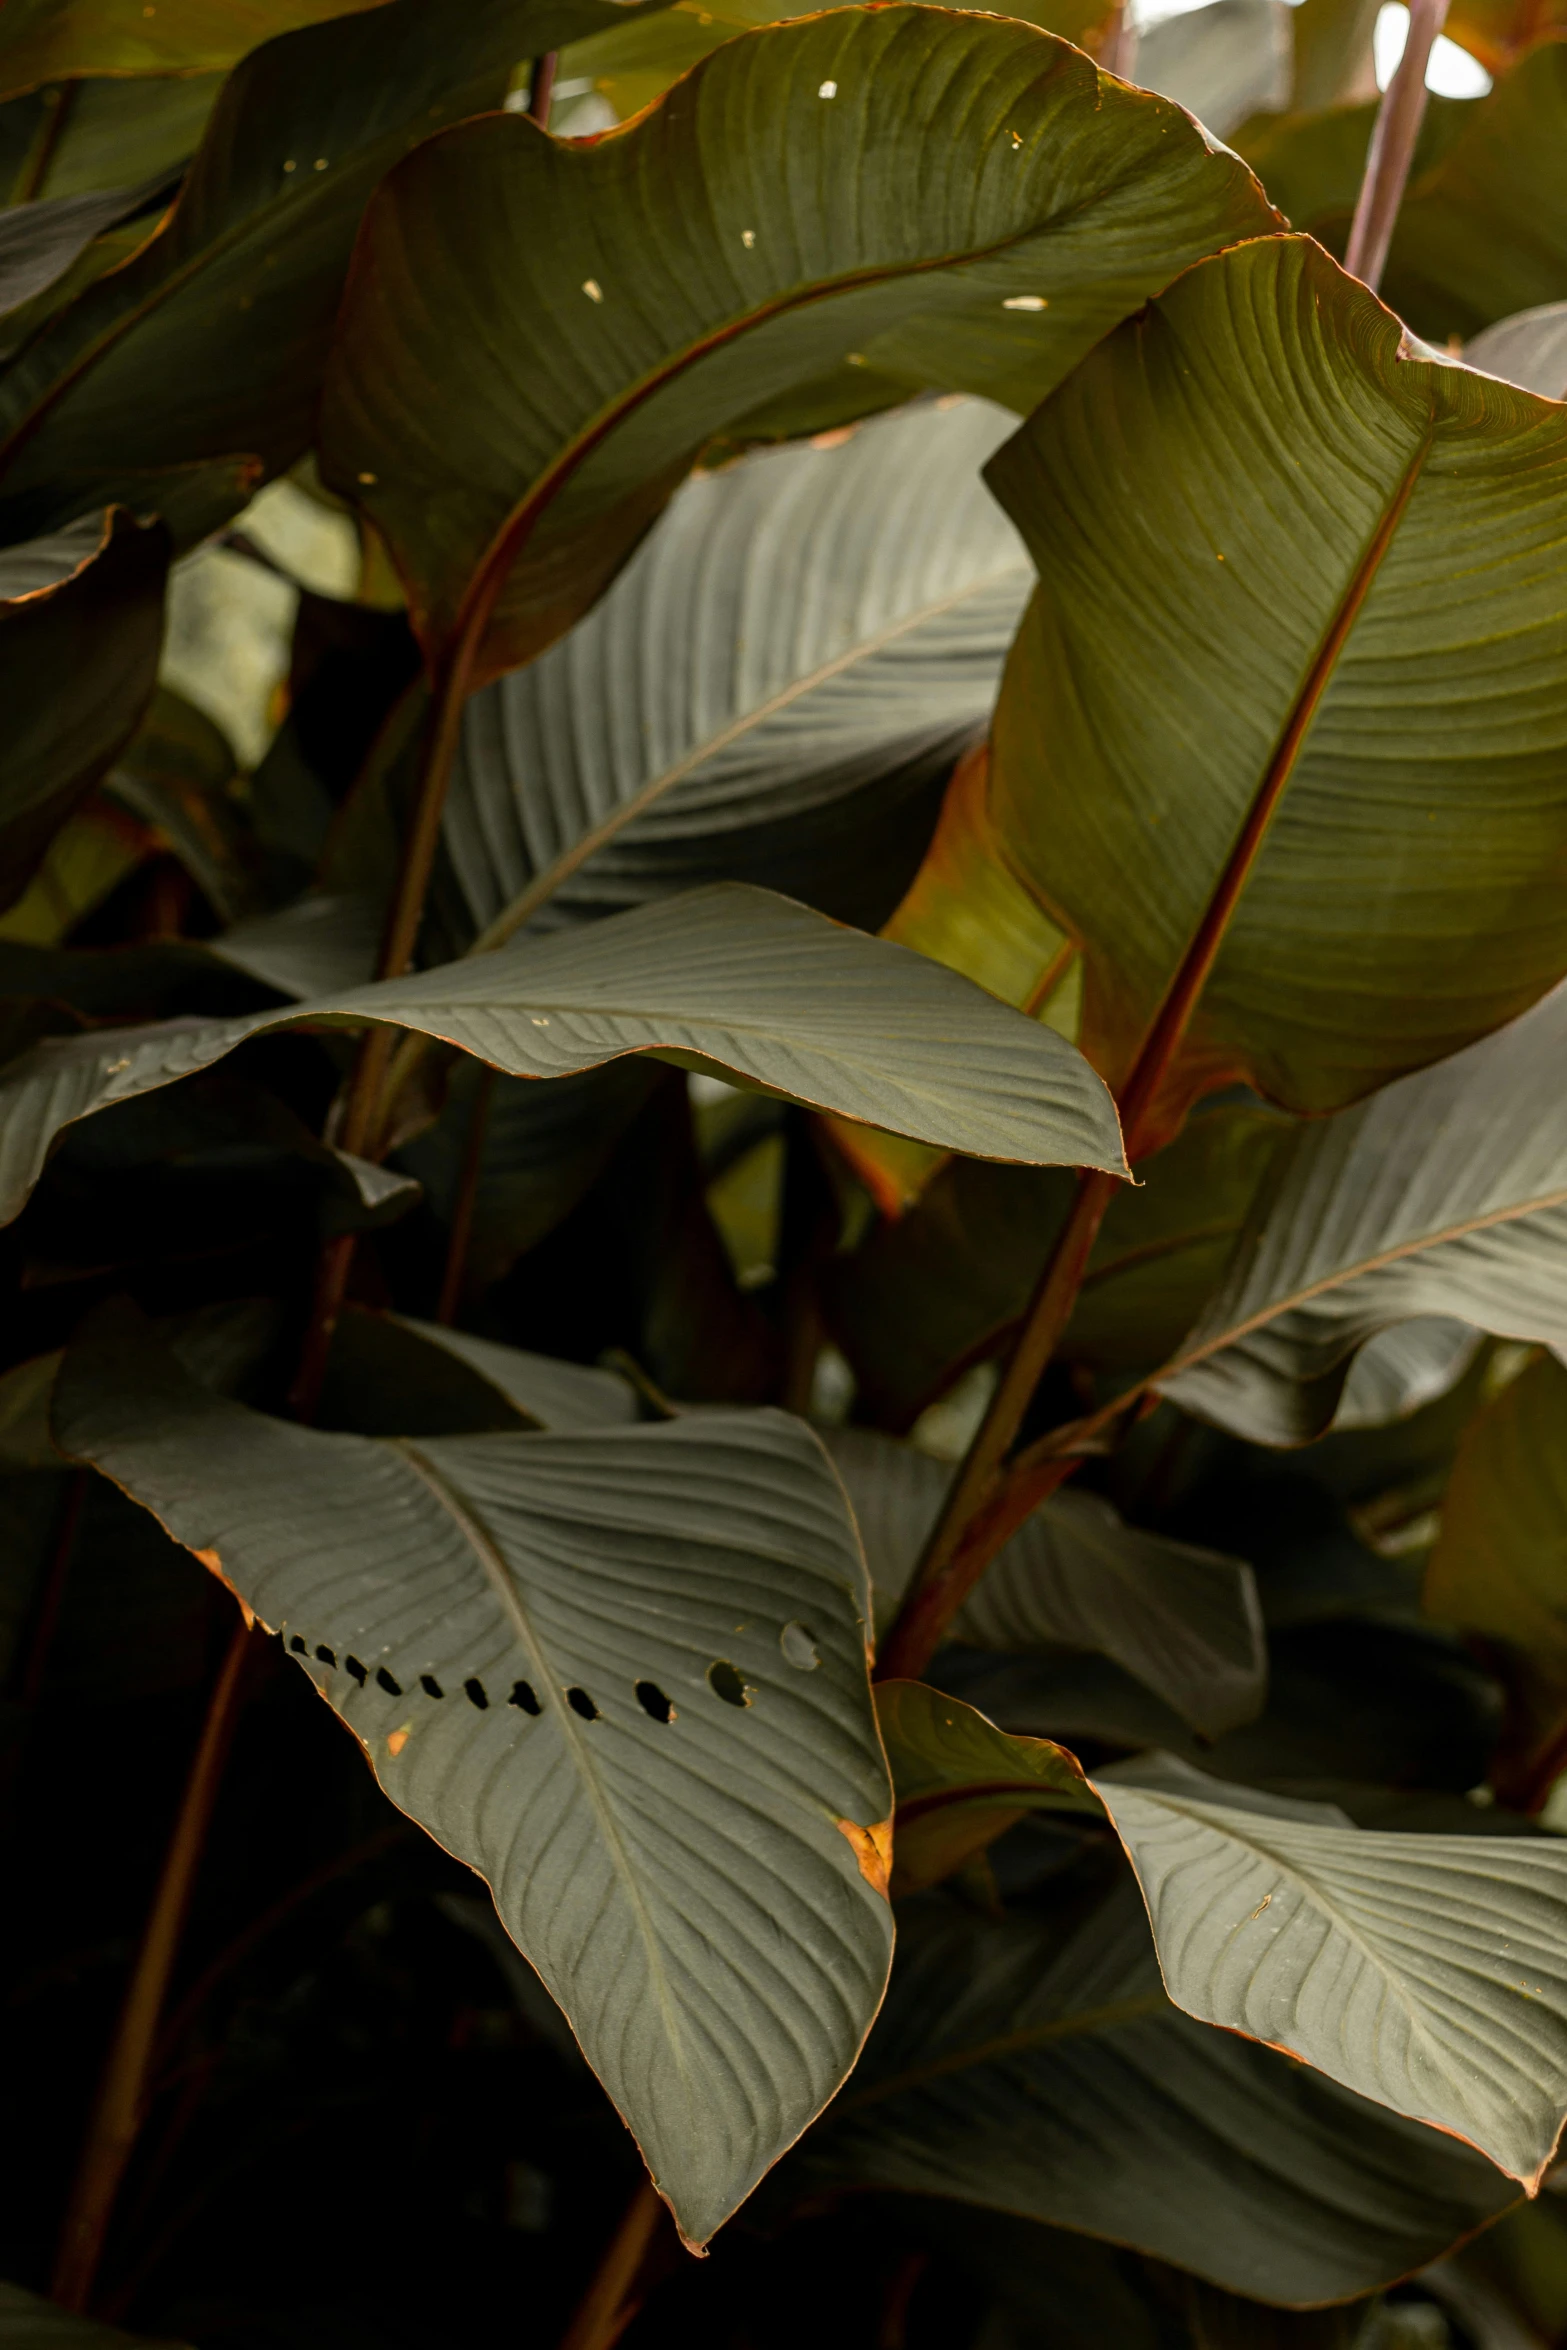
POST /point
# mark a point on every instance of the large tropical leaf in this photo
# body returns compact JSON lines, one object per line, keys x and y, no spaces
{"x":768,"y":693}
{"x":1446,"y":1195}
{"x":515,"y":406}
{"x":55,"y":40}
{"x":1500,"y":1562}
{"x":210,"y":342}
{"x":104,"y":133}
{"x":1060,"y":2084}
{"x":938,"y":1289}
{"x":39,"y":242}
{"x":1428,"y":1972}
{"x":729,"y":977}
{"x":622,"y":1674}
{"x":958,"y":1782}
{"x":1185,"y":1621}
{"x":81,"y":623}
{"x":1364,"y":605}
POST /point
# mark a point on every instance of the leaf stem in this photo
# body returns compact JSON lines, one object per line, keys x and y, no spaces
{"x":1392,"y":148}
{"x":983,"y":1508}
{"x":122,"y":2096}
{"x":467,"y":1197}
{"x":607,"y":2307}
{"x":541,"y":87}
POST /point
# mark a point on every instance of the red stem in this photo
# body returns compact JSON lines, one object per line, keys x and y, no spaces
{"x":1392,"y":149}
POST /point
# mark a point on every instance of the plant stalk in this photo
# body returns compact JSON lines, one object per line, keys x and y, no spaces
{"x":122,"y":2096}
{"x":541,"y":87}
{"x":1392,"y":149}
{"x":608,"y":2306}
{"x":467,"y":1198}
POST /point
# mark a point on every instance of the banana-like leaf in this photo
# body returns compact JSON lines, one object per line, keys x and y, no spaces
{"x":1529,"y":349}
{"x":81,"y":623}
{"x":1496,"y":30}
{"x":1187,"y":1622}
{"x":1060,"y":2084}
{"x":29,"y":2322}
{"x":772,"y":219}
{"x":39,"y":242}
{"x":958,"y":1782}
{"x":211,"y":340}
{"x":1401,"y":1370}
{"x":1444,"y":1195}
{"x":1222,"y":63}
{"x":1334,"y":61}
{"x":56,"y":40}
{"x":925,"y":1296}
{"x":1500,"y":1562}
{"x":728,"y":977}
{"x":105,"y":133}
{"x":1426,"y":1972}
{"x":768,"y":693}
{"x":1306,"y":627}
{"x":622,"y":1674}
{"x":554,"y":1394}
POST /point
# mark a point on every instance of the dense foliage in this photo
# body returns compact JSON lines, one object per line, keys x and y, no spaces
{"x":783,"y":836}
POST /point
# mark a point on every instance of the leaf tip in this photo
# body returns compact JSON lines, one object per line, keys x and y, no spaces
{"x":872,"y":1848}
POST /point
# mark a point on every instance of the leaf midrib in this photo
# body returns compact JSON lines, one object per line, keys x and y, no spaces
{"x":492,"y":1561}
{"x":543,"y":887}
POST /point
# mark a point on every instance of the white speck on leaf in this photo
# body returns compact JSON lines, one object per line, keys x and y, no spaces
{"x":593,"y":290}
{"x":748,"y":238}
{"x":1025,"y":302}
{"x":828,"y":90}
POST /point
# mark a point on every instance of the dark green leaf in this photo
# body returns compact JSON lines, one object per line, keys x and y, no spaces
{"x":1221,"y":62}
{"x":729,"y":976}
{"x":210,"y":342}
{"x":51,"y":40}
{"x":1061,"y":2084}
{"x":769,"y":692}
{"x":1316,"y":624}
{"x":1185,"y":1621}
{"x":771,"y":217}
{"x":1426,"y":1972}
{"x":81,"y":622}
{"x":1445,"y":1194}
{"x":653,"y":1735}
{"x":959,"y":1782}
{"x":28,"y":2322}
{"x":1500,"y":1562}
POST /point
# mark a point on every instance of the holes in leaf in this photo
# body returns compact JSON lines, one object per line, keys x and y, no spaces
{"x":383,"y":1680}
{"x":357,"y":1669}
{"x":474,"y":1690}
{"x":581,"y":1703}
{"x":522,"y":1695}
{"x":726,"y":1683}
{"x":299,"y":1647}
{"x":328,"y":1656}
{"x":798,"y":1643}
{"x":653,"y":1701}
{"x":430,"y":1685}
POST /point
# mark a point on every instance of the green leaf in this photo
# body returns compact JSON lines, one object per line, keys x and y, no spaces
{"x":1059,"y":2083}
{"x":1334,"y":61}
{"x":769,"y":692}
{"x":653,"y":1737}
{"x":958,"y":1782}
{"x":773,"y":217}
{"x":1500,"y":1562}
{"x":211,"y":340}
{"x":1529,"y":348}
{"x":940,"y":1288}
{"x":39,"y":242}
{"x":1443,"y":1195}
{"x":52,"y":40}
{"x":1426,"y":1972}
{"x":104,"y":133}
{"x":1307,"y":627}
{"x":28,"y":2322}
{"x":390,"y":1375}
{"x":81,"y":621}
{"x":727,"y":977}
{"x":1185,"y":1621}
